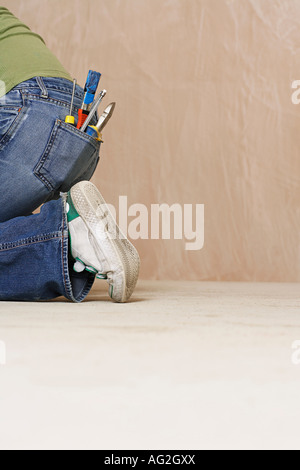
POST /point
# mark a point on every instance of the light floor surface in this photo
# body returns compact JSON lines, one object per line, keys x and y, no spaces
{"x":185,"y":365}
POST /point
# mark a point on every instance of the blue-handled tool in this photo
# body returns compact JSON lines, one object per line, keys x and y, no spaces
{"x":90,"y":89}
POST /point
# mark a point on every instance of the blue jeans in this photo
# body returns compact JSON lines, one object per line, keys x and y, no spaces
{"x":41,"y":158}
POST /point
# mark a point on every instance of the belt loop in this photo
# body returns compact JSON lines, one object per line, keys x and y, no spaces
{"x":42,"y":86}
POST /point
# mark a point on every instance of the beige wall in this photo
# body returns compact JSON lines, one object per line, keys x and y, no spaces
{"x":204,"y":115}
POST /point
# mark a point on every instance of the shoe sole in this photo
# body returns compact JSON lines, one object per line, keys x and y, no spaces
{"x":92,"y":208}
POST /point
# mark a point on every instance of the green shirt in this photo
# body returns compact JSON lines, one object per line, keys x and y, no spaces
{"x":23,"y":54}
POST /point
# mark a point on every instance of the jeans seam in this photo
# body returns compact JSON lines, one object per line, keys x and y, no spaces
{"x":28,"y":86}
{"x":39,"y":166}
{"x":29,"y":241}
{"x":33,"y":97}
{"x":6,"y":137}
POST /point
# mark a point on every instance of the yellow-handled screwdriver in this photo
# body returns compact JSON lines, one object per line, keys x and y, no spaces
{"x":69,"y":118}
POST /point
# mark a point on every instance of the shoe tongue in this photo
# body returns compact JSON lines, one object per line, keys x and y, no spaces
{"x":71,"y":211}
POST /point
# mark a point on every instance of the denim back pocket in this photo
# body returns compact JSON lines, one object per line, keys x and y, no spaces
{"x":69,"y":157}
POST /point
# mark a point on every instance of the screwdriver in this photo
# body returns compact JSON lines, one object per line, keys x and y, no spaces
{"x":69,"y":118}
{"x":93,"y":110}
{"x":90,"y":88}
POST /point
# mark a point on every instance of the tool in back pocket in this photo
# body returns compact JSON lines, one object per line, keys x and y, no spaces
{"x":95,"y":131}
{"x":90,"y":89}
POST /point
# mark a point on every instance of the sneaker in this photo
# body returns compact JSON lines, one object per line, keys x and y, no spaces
{"x":98,"y":245}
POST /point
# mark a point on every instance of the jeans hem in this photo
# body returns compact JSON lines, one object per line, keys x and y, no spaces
{"x":86,"y":283}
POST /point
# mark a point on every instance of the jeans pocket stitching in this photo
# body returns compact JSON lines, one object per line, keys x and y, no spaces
{"x":60,"y":125}
{"x":85,"y":137}
{"x":10,"y":131}
{"x":41,"y":162}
